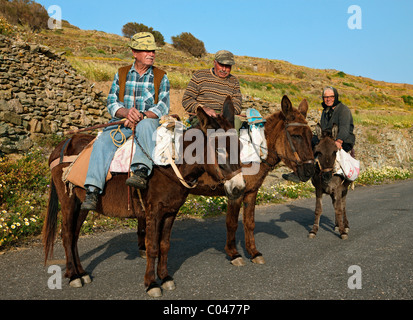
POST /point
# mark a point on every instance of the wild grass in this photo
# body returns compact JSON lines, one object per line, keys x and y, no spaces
{"x":390,"y":120}
{"x":178,"y":80}
{"x":94,"y":71}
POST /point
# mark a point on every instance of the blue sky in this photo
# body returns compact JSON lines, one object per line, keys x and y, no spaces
{"x":311,"y":33}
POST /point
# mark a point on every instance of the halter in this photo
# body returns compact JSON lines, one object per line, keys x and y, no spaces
{"x":221,"y":176}
{"x":323,"y":170}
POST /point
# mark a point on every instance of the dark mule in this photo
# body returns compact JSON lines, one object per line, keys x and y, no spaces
{"x":288,"y":140}
{"x":325,"y":181}
{"x":161,"y":201}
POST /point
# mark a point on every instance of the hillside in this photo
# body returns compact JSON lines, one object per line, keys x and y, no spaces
{"x":383,"y":112}
{"x":262,"y":78}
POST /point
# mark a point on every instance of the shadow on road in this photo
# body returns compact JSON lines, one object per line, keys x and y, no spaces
{"x":191,"y":237}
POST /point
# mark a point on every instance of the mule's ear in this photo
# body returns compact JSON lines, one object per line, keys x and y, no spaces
{"x":318,"y":131}
{"x":303,"y":108}
{"x":204,"y":119}
{"x":229,"y":110}
{"x":286,"y":106}
{"x":334,"y":131}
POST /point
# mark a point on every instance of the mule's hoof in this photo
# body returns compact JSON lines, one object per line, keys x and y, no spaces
{"x":344,"y":236}
{"x":311,"y":235}
{"x":258,"y":260}
{"x":169,"y":285}
{"x":336,"y":229}
{"x":154,"y":291}
{"x":238,"y":262}
{"x":142,"y":253}
{"x":76,"y":283}
{"x":346,"y":230}
{"x":86,"y":279}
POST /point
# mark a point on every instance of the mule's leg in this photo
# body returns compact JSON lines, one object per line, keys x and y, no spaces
{"x":70,"y":210}
{"x":164,"y":245}
{"x":232,"y":225}
{"x":345,"y":221}
{"x":152,"y":251}
{"x":249,"y":227}
{"x":141,"y":236}
{"x":81,"y":218}
{"x":317,"y":213}
{"x":337,"y":203}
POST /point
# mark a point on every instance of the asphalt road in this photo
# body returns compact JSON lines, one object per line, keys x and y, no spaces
{"x":380,"y":246}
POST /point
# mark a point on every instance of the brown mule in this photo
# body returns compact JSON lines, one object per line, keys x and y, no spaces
{"x":289,"y":140}
{"x":162,"y":199}
{"x":325,"y":181}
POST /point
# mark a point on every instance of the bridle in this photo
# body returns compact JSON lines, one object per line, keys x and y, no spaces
{"x":222,"y":178}
{"x":323,"y":170}
{"x":297,"y":159}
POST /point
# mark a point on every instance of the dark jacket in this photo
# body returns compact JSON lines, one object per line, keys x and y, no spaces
{"x":340,"y":115}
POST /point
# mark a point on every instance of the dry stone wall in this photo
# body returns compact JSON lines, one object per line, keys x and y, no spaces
{"x":40,"y":93}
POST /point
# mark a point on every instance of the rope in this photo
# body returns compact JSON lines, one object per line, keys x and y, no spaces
{"x":119,"y":143}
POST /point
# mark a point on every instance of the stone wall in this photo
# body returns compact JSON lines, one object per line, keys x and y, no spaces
{"x":40,"y":93}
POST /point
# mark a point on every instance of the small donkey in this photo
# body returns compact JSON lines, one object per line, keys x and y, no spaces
{"x":326,"y":181}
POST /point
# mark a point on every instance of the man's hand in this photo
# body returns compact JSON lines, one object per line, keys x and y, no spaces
{"x":134,"y":115}
{"x":132,"y":118}
{"x":210,"y":112}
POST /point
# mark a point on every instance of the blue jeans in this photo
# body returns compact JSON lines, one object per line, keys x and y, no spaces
{"x":104,"y":149}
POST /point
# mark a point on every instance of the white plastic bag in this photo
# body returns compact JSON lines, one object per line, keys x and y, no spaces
{"x":349,"y":165}
{"x":255,"y":150}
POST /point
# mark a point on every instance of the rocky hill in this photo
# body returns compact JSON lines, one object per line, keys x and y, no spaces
{"x":44,"y":90}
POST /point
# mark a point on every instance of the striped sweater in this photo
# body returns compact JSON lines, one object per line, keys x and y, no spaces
{"x":207,"y":90}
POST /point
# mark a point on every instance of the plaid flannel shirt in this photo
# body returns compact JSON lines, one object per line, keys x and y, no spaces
{"x":144,"y":92}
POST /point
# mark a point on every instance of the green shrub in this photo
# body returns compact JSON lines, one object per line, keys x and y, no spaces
{"x":340,"y":74}
{"x":23,"y":193}
{"x":5,"y":27}
{"x":408,"y":100}
{"x":131,"y":28}
{"x":25,"y":13}
{"x":188,"y":43}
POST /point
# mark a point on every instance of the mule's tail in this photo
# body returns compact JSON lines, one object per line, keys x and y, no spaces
{"x":50,"y":223}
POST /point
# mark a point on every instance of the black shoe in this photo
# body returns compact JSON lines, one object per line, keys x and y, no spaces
{"x":91,"y":200}
{"x":291,"y":177}
{"x":139,"y":179}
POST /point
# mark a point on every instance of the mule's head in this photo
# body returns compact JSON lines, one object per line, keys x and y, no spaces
{"x":294,"y":142}
{"x":325,"y":152}
{"x":222,"y":161}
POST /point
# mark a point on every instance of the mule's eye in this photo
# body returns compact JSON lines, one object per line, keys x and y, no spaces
{"x":297,"y":137}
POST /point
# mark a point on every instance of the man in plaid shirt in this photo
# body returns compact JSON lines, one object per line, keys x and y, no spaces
{"x":140,"y":109}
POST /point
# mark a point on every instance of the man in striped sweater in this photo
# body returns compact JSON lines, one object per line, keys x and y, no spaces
{"x":209,"y":88}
